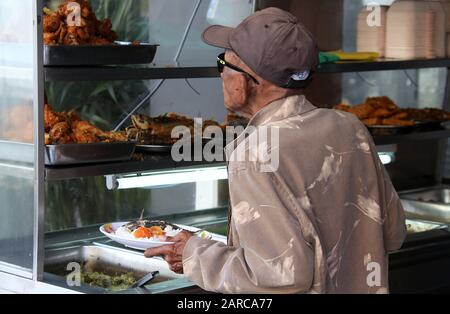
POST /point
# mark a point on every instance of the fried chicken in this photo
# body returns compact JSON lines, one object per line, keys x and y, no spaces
{"x":383,"y":111}
{"x":362,"y":111}
{"x":397,"y":122}
{"x":158,"y":130}
{"x":373,"y":121}
{"x":342,"y":107}
{"x":85,"y":133}
{"x":59,"y":29}
{"x":51,"y":118}
{"x":381,"y":102}
{"x":60,"y":132}
{"x":67,"y":128}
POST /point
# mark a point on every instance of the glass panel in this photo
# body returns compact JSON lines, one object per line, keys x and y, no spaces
{"x":422,"y":88}
{"x":16,"y":133}
{"x":164,"y":22}
{"x":87,"y":201}
{"x":16,"y":221}
{"x":168,"y":20}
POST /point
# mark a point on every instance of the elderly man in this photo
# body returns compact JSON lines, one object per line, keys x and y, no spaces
{"x":320,"y":220}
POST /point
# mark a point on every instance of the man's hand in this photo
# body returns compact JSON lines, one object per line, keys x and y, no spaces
{"x":173,"y":254}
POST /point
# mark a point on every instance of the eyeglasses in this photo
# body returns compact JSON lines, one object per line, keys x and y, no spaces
{"x":221,"y":64}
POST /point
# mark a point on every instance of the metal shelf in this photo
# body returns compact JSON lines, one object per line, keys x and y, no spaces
{"x":384,"y":65}
{"x":164,"y":161}
{"x":123,"y":73}
{"x":151,"y":163}
{"x":111,"y":73}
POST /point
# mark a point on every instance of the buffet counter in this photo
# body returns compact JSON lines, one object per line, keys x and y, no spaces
{"x":420,"y":266}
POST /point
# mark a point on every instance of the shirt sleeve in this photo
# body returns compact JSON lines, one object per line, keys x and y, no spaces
{"x":394,"y":222}
{"x":272,"y":256}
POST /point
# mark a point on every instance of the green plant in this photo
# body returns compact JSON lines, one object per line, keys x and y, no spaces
{"x":85,"y":201}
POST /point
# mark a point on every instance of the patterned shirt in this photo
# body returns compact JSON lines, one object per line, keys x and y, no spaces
{"x":313,"y":208}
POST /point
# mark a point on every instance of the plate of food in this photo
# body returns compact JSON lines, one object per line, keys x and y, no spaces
{"x":143,"y":234}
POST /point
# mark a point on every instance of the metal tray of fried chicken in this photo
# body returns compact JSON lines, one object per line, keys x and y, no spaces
{"x":87,"y":41}
{"x":73,"y":154}
{"x":96,"y":55}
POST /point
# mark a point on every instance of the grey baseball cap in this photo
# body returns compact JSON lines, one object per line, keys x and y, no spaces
{"x":273,"y":43}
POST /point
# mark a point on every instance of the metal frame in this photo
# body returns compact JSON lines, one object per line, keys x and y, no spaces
{"x":39,"y":160}
{"x":72,"y":74}
{"x":16,"y":284}
{"x":164,"y":161}
{"x":37,"y":171}
{"x":132,"y":73}
{"x":16,"y":279}
{"x":443,"y":144}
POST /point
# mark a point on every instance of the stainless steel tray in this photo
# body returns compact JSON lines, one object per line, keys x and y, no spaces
{"x":72,"y":154}
{"x":432,"y":204}
{"x":415,"y":226}
{"x":120,"y":53}
{"x":431,"y":195}
{"x":151,"y":148}
{"x":107,"y":260}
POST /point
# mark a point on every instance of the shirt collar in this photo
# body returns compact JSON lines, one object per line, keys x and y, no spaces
{"x":275,"y":111}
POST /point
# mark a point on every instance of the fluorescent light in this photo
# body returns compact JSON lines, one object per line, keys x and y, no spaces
{"x":160,"y":179}
{"x":387,"y":158}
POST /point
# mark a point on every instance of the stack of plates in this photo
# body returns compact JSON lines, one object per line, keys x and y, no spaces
{"x":371,"y":37}
{"x":415,"y":29}
{"x":447,"y":27}
{"x":448,"y":44}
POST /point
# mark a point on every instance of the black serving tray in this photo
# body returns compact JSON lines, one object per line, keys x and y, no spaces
{"x":119,"y":54}
{"x":420,"y":126}
{"x":380,"y":130}
{"x":73,"y":154}
{"x":142,"y":148}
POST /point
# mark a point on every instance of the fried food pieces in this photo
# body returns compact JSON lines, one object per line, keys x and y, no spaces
{"x":88,"y":30}
{"x":67,"y":128}
{"x":158,"y":130}
{"x":383,"y":111}
{"x":16,"y":123}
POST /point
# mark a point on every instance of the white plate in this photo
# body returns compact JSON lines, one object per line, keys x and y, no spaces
{"x":144,"y":244}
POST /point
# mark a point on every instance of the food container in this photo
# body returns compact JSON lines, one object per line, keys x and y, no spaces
{"x":431,"y":204}
{"x":121,"y":53}
{"x":106,"y":261}
{"x":73,"y":154}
